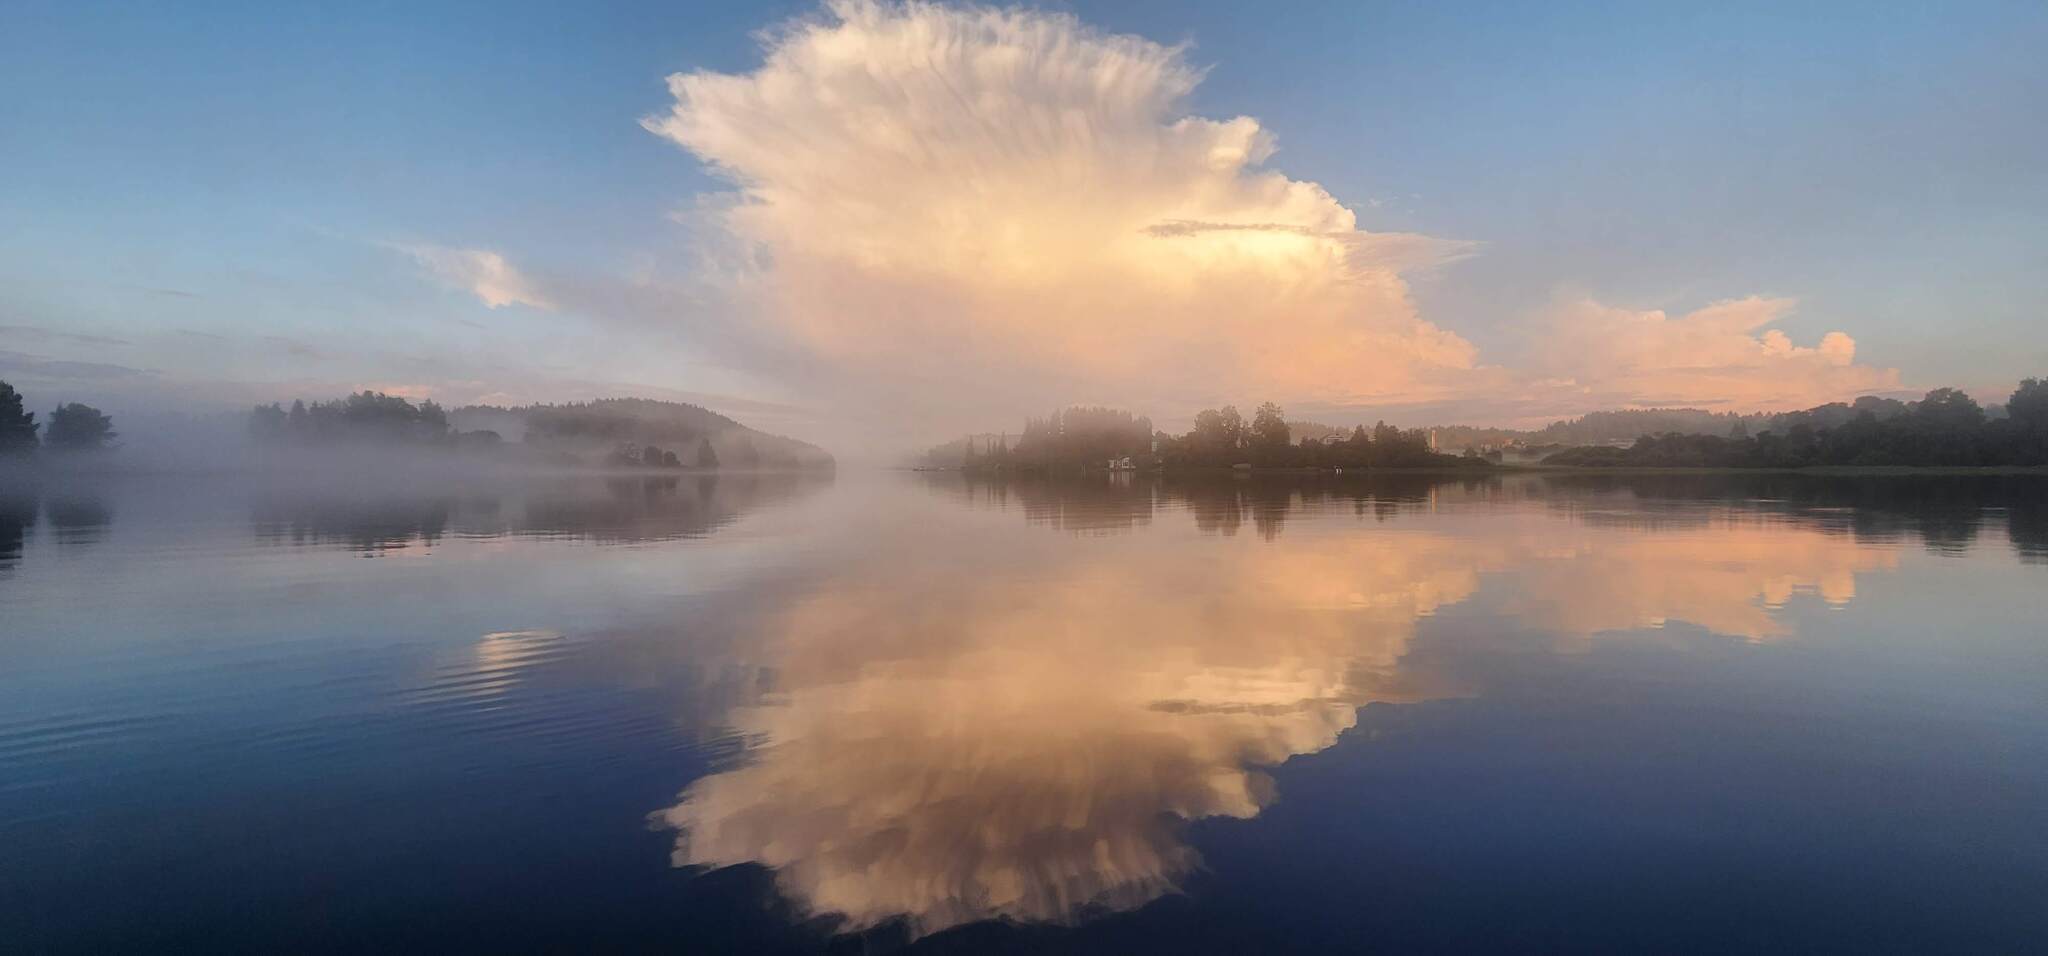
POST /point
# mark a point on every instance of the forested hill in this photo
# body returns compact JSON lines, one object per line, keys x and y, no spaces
{"x":607,"y":423}
{"x":1628,"y":424}
{"x":1947,"y":428}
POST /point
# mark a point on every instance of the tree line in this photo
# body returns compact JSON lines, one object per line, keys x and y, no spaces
{"x":73,"y":426}
{"x":1946,"y":428}
{"x":614,"y":432}
{"x":1082,"y":438}
{"x":362,"y":416}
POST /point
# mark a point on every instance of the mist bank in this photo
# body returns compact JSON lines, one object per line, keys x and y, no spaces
{"x":370,"y":432}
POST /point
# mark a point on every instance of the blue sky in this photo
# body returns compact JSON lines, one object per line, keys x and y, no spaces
{"x":225,"y":190}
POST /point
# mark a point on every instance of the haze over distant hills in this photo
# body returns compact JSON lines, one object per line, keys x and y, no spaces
{"x":599,"y":426}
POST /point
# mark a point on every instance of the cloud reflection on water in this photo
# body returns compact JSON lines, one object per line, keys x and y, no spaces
{"x":963,"y":730}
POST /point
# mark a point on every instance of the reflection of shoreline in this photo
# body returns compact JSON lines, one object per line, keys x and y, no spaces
{"x":74,"y":514}
{"x":1946,"y":512}
{"x":614,"y":508}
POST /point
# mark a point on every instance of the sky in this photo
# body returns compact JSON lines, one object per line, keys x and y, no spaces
{"x":886,"y":223}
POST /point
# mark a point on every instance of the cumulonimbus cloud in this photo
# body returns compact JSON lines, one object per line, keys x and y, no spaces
{"x":1011,"y":200}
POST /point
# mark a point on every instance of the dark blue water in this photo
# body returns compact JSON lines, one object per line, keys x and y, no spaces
{"x":783,"y":714}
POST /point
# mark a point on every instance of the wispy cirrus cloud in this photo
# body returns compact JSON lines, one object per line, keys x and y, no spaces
{"x":39,"y":369}
{"x":37,"y":333}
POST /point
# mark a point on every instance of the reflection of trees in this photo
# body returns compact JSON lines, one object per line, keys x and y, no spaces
{"x":657,"y":508}
{"x":1090,"y":503}
{"x":17,"y":519}
{"x":77,"y":516}
{"x":2026,"y":522}
{"x":369,"y":523}
{"x":606,"y":509}
{"x":1945,"y":512}
{"x":1220,"y":503}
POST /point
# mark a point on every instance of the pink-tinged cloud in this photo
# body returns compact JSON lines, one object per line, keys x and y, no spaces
{"x":1726,"y":355}
{"x":1010,"y":203}
{"x":482,"y":273}
{"x":406,"y":390}
{"x":1130,"y":689}
{"x":1007,"y":209}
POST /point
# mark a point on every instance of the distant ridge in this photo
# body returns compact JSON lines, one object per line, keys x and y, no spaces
{"x":606,"y":423}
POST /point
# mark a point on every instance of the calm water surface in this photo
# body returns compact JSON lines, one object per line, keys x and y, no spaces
{"x":776,"y":713}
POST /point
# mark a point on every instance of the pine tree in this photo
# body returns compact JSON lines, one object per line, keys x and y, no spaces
{"x":17,"y":427}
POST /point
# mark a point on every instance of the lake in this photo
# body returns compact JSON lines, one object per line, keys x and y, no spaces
{"x":781,"y":713}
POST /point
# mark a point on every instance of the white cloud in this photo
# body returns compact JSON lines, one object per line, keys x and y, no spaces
{"x":480,"y":272}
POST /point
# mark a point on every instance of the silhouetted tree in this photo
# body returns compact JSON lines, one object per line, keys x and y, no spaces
{"x":79,"y":427}
{"x":707,"y":457}
{"x":1269,"y":427}
{"x":268,"y":423}
{"x":1949,"y":408}
{"x":17,"y":427}
{"x":2028,"y":407}
{"x":1218,"y":432}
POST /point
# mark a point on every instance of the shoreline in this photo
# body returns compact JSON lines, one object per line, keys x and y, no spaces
{"x":1842,"y":471}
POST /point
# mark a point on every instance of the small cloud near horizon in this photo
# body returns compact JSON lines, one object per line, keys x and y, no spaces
{"x":479,"y":272}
